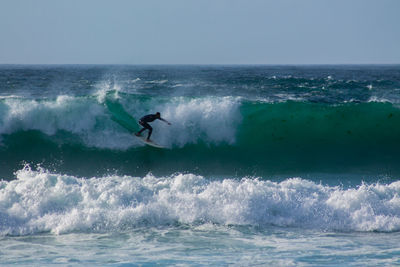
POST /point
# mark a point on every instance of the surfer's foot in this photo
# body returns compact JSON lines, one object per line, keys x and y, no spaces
{"x":137,"y":134}
{"x":148,"y":140}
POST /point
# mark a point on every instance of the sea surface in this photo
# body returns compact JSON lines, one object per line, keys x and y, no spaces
{"x":263,"y":165}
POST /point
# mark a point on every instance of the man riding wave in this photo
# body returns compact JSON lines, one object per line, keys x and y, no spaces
{"x":144,"y":121}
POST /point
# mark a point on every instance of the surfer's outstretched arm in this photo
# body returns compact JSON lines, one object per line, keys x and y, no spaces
{"x":164,"y":120}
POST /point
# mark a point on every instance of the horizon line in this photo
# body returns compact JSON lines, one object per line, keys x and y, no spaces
{"x":203,"y":64}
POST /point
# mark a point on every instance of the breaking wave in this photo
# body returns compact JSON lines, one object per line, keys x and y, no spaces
{"x":41,"y":201}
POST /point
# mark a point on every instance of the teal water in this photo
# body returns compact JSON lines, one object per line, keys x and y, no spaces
{"x":208,"y":245}
{"x":270,"y":165}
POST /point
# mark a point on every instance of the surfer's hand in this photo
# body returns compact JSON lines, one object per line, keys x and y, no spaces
{"x":169,"y":123}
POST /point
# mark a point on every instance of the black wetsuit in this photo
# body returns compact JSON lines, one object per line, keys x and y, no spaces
{"x":144,"y":122}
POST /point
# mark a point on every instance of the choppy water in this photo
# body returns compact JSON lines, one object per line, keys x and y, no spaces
{"x":277,"y":165}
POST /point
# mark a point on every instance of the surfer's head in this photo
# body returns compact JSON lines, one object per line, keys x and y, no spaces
{"x":158,"y":114}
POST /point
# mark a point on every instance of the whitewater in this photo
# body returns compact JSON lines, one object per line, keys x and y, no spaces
{"x":268,"y":165}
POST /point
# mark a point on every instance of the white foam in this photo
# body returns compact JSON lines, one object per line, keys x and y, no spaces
{"x":65,"y":113}
{"x":379,"y":100}
{"x":83,"y":117}
{"x":9,"y":96}
{"x":288,"y":97}
{"x":134,"y":80}
{"x":157,"y":81}
{"x":39,"y":201}
{"x":211,"y":120}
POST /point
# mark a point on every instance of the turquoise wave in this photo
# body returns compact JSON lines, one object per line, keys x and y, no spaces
{"x":218,"y":136}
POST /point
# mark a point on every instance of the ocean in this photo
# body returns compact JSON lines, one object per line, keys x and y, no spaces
{"x":263,"y":165}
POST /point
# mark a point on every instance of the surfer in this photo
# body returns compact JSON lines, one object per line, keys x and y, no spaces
{"x":149,"y":118}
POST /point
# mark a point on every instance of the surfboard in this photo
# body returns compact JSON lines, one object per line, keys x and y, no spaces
{"x":150,"y":143}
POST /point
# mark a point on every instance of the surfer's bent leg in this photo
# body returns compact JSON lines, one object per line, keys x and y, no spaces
{"x":150,"y":131}
{"x":145,"y":126}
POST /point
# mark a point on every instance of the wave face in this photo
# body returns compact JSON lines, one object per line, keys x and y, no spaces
{"x":39,"y":201}
{"x":209,"y":135}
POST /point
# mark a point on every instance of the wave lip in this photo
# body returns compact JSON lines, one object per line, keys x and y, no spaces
{"x":40,"y":201}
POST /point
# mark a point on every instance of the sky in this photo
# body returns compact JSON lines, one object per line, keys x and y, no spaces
{"x":200,"y":32}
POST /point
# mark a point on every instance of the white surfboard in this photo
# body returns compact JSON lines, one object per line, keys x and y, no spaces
{"x":150,"y":143}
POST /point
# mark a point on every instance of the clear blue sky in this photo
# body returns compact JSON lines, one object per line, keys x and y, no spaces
{"x":200,"y":32}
